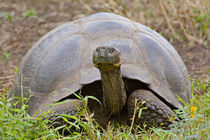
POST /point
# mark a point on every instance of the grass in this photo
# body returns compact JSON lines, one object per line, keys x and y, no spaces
{"x":30,"y":13}
{"x":17,"y":124}
{"x":6,"y":15}
{"x":5,"y":56}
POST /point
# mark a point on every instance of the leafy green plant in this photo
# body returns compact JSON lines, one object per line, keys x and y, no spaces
{"x":30,"y":13}
{"x":16,"y":123}
{"x":15,"y":70}
{"x":6,"y":56}
{"x":195,"y":117}
{"x":81,"y":123}
{"x":6,"y":15}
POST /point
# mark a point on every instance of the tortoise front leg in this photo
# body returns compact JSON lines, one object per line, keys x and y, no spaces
{"x":157,"y":112}
{"x":69,"y":107}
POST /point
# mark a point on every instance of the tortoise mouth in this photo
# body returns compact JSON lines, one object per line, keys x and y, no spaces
{"x":103,"y":61}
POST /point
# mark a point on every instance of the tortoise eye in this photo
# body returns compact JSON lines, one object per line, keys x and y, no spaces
{"x":111,"y":51}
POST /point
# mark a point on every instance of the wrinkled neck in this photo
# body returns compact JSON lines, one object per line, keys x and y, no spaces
{"x":114,"y":94}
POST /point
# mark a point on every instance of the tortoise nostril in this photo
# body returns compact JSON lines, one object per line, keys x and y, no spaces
{"x":102,"y":48}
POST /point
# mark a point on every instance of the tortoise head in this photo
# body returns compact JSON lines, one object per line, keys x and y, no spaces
{"x":107,"y":58}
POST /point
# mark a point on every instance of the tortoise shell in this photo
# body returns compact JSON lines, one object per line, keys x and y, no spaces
{"x":63,"y":59}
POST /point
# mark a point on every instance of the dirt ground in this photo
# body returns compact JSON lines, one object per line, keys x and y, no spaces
{"x":17,"y":36}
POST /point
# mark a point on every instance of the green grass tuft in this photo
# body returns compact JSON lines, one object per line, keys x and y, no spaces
{"x":6,"y":15}
{"x":30,"y":13}
{"x":17,"y":124}
{"x":5,"y":56}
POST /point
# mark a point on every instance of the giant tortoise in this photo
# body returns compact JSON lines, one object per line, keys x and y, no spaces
{"x":118,"y":61}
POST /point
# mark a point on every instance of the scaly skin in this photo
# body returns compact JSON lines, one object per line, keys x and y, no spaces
{"x":156,"y":114}
{"x":113,"y":91}
{"x":108,"y":61}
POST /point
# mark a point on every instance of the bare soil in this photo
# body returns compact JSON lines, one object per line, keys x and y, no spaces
{"x":17,"y":36}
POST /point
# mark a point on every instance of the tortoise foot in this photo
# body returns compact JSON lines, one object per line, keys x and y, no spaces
{"x":68,"y":107}
{"x":157,"y":113}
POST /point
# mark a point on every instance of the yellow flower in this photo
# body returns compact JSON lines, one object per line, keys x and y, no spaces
{"x":193,"y":110}
{"x":192,"y":115}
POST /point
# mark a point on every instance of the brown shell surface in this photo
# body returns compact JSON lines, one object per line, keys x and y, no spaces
{"x":63,"y":59}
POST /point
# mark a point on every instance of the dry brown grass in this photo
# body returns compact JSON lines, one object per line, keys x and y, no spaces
{"x":184,"y":20}
{"x":187,"y":21}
